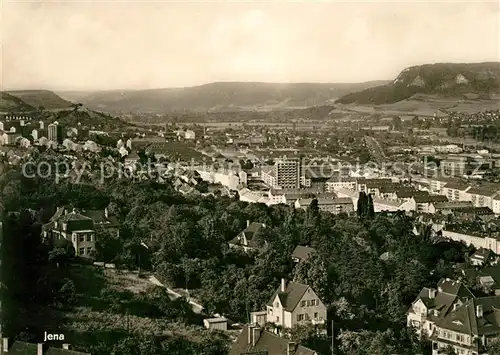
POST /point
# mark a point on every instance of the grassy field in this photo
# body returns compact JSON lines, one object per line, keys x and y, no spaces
{"x":90,"y":321}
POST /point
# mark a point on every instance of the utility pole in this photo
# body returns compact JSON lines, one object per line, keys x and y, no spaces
{"x":333,"y":338}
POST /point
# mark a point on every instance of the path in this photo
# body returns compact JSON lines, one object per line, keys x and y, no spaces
{"x":197,"y":308}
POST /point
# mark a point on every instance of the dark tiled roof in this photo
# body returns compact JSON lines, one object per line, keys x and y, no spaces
{"x":483,"y":191}
{"x":59,"y":351}
{"x":273,"y":344}
{"x":430,"y":198}
{"x":291,"y":297}
{"x":411,"y":193}
{"x":249,"y":232}
{"x":302,"y":252}
{"x":474,"y":210}
{"x":22,"y":348}
{"x":453,"y":205}
{"x":466,"y":321}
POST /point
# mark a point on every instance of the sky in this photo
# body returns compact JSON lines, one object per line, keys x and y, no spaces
{"x":112,"y":44}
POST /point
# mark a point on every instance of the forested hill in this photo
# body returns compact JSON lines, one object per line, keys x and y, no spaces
{"x":442,"y":79}
{"x":219,"y":96}
{"x":31,"y":100}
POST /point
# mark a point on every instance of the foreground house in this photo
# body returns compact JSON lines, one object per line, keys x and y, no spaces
{"x":255,"y":340}
{"x":74,"y":227}
{"x":293,"y":304}
{"x":431,"y":305}
{"x":23,"y":348}
{"x":468,"y":328}
{"x":245,"y":239}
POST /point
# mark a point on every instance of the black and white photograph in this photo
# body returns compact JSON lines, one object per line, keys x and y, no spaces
{"x":230,"y":177}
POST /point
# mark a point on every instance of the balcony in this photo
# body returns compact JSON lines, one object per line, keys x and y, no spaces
{"x":317,"y":321}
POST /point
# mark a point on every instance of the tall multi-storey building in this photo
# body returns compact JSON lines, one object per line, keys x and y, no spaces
{"x":54,"y":132}
{"x":287,"y":173}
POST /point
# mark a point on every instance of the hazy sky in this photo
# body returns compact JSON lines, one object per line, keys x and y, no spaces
{"x":150,"y":44}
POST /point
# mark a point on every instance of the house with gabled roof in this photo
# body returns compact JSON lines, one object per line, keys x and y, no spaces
{"x":293,"y":304}
{"x":468,"y":328}
{"x":432,"y":304}
{"x":245,"y":239}
{"x":254,"y":340}
{"x":422,"y":203}
{"x":302,"y":253}
{"x":74,"y":227}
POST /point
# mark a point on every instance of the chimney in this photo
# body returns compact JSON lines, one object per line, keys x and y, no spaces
{"x":250,"y":334}
{"x":39,"y":349}
{"x":432,"y":293}
{"x":479,"y":311}
{"x":255,"y":335}
{"x":283,"y":285}
{"x":248,"y":223}
{"x":65,"y":346}
{"x":5,"y":342}
{"x":290,"y":348}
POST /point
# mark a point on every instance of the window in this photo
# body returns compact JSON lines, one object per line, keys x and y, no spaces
{"x":315,"y":315}
{"x":277,"y":305}
{"x":270,"y":311}
{"x":300,"y":317}
{"x":89,"y":238}
{"x":306,"y":316}
{"x":308,"y":303}
{"x":303,"y":303}
{"x":277,"y":319}
{"x":81,"y":238}
{"x":89,"y":250}
{"x":81,"y":251}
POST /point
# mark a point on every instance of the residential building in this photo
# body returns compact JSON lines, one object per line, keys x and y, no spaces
{"x":257,"y":341}
{"x":422,"y":203}
{"x":432,"y":304}
{"x":268,"y":176}
{"x":302,"y":253}
{"x":449,"y":207}
{"x":54,"y":132}
{"x":483,"y":196}
{"x":481,"y":256}
{"x":335,"y":206}
{"x":24,"y":348}
{"x":487,"y":279}
{"x":288,"y":173}
{"x":478,"y":238}
{"x":496,"y":204}
{"x":189,"y":134}
{"x":131,"y":159}
{"x":371,"y":185}
{"x":294,"y":304}
{"x":456,"y":191}
{"x":336,"y":183}
{"x":103,"y":219}
{"x":245,"y":240}
{"x":468,"y":327}
{"x":74,"y":227}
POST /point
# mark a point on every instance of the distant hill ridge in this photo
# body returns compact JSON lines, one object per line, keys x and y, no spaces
{"x":443,"y":79}
{"x":220,"y":96}
{"x":31,"y":100}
